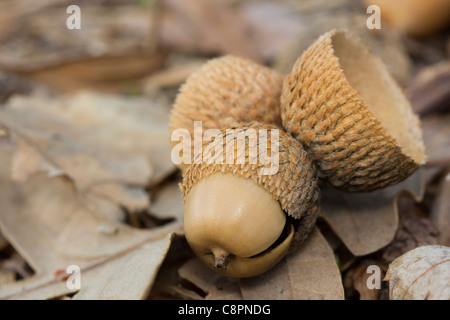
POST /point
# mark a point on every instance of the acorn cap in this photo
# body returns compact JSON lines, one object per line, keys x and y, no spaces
{"x":342,"y":105}
{"x":294,"y":185}
{"x":227,"y":90}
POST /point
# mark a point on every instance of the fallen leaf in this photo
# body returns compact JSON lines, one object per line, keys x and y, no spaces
{"x":367,"y":222}
{"x":103,"y":74}
{"x":310,"y":273}
{"x":127,"y":277}
{"x":53,"y":224}
{"x":213,"y":285}
{"x":197,"y":273}
{"x":127,"y":137}
{"x":429,"y":92}
{"x":420,"y":274}
{"x":117,"y":43}
{"x":167,"y":202}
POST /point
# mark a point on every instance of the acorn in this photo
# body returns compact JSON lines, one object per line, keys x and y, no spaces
{"x":340,"y":102}
{"x":241,"y":216}
{"x":224,"y":91}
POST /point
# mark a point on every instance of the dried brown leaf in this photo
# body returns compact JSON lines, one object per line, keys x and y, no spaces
{"x":167,"y":202}
{"x":54,"y":223}
{"x":421,"y":274}
{"x":42,"y":39}
{"x":48,"y":223}
{"x":128,"y":277}
{"x":310,"y":273}
{"x":366,"y":222}
{"x":214,"y":286}
{"x":115,"y":139}
{"x":116,"y":45}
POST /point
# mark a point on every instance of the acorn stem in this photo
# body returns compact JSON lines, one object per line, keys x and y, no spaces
{"x":221,"y":258}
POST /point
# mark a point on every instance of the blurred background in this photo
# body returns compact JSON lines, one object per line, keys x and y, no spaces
{"x":133,"y":47}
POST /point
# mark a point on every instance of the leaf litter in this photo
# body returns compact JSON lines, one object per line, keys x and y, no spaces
{"x":87,"y":178}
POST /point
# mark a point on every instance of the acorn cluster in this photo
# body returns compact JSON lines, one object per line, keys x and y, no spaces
{"x":337,"y":116}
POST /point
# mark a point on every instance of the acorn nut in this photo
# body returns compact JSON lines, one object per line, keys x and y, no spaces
{"x":238,"y":221}
{"x":340,"y":102}
{"x":225,"y":91}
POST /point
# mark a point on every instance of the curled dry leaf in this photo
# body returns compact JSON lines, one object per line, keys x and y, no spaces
{"x":366,"y":222}
{"x":420,"y":274}
{"x":310,"y":273}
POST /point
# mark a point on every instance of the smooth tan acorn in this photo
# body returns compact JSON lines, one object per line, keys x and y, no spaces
{"x":239,"y":221}
{"x":226,"y":90}
{"x":340,"y":102}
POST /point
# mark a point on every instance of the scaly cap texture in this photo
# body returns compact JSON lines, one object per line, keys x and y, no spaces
{"x":225,"y":91}
{"x":341,"y":104}
{"x":294,"y":185}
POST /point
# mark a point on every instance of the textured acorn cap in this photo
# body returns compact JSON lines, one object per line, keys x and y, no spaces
{"x":294,"y":185}
{"x":354,"y":121}
{"x":225,"y":91}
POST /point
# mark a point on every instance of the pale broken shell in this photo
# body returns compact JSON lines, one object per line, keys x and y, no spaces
{"x":341,"y":103}
{"x":225,"y":91}
{"x":420,"y":274}
{"x":238,"y":221}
